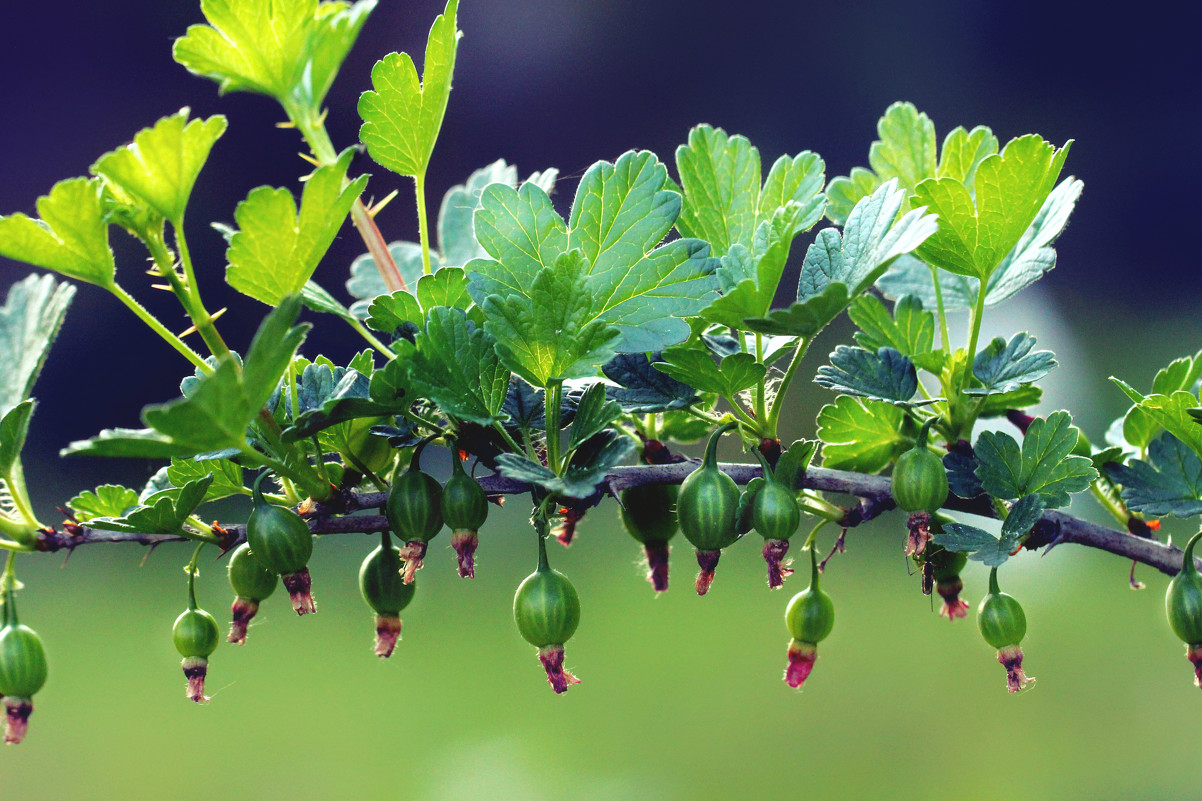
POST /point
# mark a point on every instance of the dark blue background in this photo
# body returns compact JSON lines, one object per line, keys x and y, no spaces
{"x":566,"y":82}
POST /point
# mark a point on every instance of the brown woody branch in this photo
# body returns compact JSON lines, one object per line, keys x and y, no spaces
{"x":871,"y":491}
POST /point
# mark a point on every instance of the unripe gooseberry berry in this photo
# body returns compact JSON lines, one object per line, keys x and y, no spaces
{"x":252,"y":583}
{"x":23,"y":671}
{"x":546,"y":609}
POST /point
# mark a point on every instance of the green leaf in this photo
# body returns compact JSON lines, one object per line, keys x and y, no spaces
{"x":160,"y":166}
{"x":288,"y":49}
{"x":720,"y":176}
{"x":979,"y":544}
{"x":276,"y":250}
{"x":873,"y":237}
{"x":336,"y":396}
{"x":337,"y":26}
{"x":366,"y":283}
{"x":14,"y":427}
{"x":845,"y":192}
{"x":963,"y":151}
{"x":620,"y":214}
{"x":1005,"y":366}
{"x":456,"y":366}
{"x":794,"y":462}
{"x":1170,"y":412}
{"x":107,"y":500}
{"x":885,"y":375}
{"x":584,"y":474}
{"x":749,"y":278}
{"x":456,"y":230}
{"x":803,"y":318}
{"x":982,"y":546}
{"x":216,"y":413}
{"x":697,"y":369}
{"x":553,"y":332}
{"x":30,"y":319}
{"x":907,"y":147}
{"x":593,"y":415}
{"x":402,"y":115}
{"x":961,"y":474}
{"x":445,"y":287}
{"x":166,"y":516}
{"x":641,"y":388}
{"x":860,"y":435}
{"x":1169,"y":483}
{"x":71,"y":237}
{"x":227,"y":476}
{"x":910,"y":330}
{"x":388,"y":313}
{"x":1025,"y":264}
{"x":319,"y":300}
{"x":978,"y":230}
{"x":1021,"y":398}
{"x":1043,"y":466}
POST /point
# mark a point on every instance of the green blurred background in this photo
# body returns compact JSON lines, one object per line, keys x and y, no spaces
{"x":682,"y":697}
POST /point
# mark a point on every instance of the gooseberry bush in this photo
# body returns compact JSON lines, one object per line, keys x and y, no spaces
{"x":567,"y":360}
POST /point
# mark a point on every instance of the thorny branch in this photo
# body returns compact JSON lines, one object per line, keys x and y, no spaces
{"x":871,"y":491}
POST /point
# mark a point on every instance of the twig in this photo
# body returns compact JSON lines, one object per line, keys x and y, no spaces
{"x":872,"y":492}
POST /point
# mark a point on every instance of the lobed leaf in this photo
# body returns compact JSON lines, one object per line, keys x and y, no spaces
{"x":167,"y":515}
{"x":978,"y":229}
{"x":107,"y":500}
{"x":402,"y":114}
{"x":641,"y":388}
{"x":859,"y":434}
{"x":594,"y":413}
{"x":910,"y":330}
{"x":14,"y":428}
{"x":276,"y":249}
{"x":1005,"y":366}
{"x":1042,"y":466}
{"x":885,"y":375}
{"x":1169,"y":483}
{"x":71,"y":236}
{"x":288,"y":49}
{"x":30,"y":320}
{"x":159,"y":168}
{"x":1025,"y":264}
{"x":697,"y":369}
{"x":456,"y":365}
{"x":626,"y":280}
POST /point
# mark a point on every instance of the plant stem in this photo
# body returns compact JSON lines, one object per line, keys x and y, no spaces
{"x":551,"y":413}
{"x":196,"y":310}
{"x":977,"y":315}
{"x":942,"y":314}
{"x":193,"y":568}
{"x":313,"y":129}
{"x":372,"y":340}
{"x":777,"y":405}
{"x":761,"y":388}
{"x":150,"y":320}
{"x":422,"y":225}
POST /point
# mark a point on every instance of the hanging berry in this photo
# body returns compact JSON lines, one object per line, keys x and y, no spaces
{"x":386,"y":592}
{"x":546,"y":609}
{"x":464,"y":510}
{"x":1003,"y":624}
{"x":810,"y":617}
{"x":919,"y":486}
{"x":252,"y":584}
{"x":706,"y":509}
{"x":776,"y":516}
{"x":1183,"y":604}
{"x":22,"y":666}
{"x":195,"y":635}
{"x":282,"y":542}
{"x":414,"y":511}
{"x":648,"y":513}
